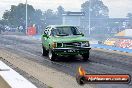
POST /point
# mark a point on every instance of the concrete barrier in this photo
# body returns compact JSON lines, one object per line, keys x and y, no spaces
{"x":3,"y":83}
{"x":9,"y":78}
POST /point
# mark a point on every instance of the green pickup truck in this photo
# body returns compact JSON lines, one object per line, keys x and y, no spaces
{"x":60,"y":40}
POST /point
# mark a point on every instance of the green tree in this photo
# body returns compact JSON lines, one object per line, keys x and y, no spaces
{"x":96,"y":7}
{"x":99,"y":14}
{"x":16,"y":15}
{"x":60,"y":12}
{"x":50,"y":17}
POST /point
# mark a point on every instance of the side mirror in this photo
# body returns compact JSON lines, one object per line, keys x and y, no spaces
{"x":82,"y":34}
{"x":45,"y":35}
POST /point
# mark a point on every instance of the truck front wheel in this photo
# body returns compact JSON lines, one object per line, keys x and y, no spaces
{"x":52,"y":55}
{"x":44,"y":51}
{"x":85,"y":57}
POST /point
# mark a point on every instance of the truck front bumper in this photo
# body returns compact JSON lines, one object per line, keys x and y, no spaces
{"x":71,"y":51}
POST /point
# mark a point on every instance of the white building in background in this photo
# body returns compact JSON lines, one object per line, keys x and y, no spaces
{"x":72,"y":18}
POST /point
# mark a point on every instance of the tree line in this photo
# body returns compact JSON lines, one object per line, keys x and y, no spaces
{"x":93,"y":9}
{"x":16,"y":15}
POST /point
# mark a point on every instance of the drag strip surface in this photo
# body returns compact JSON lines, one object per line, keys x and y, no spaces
{"x":100,"y":62}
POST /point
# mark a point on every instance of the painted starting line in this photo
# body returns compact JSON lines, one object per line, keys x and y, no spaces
{"x":14,"y":79}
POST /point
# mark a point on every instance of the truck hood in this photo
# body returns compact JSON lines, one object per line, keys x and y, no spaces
{"x":64,"y":39}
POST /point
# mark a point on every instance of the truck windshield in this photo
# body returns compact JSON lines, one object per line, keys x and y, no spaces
{"x":65,"y":31}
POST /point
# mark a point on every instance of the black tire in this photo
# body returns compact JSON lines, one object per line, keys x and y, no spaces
{"x":52,"y":56}
{"x":44,"y":51}
{"x":85,"y":57}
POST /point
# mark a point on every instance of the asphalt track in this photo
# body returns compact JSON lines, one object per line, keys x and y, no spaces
{"x":100,"y":62}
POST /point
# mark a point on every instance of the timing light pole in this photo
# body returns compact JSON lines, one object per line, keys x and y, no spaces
{"x":89,"y":18}
{"x":26,"y":16}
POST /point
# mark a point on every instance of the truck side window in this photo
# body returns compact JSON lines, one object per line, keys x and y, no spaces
{"x":53,"y":32}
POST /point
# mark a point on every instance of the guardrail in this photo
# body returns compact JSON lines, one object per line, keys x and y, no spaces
{"x":9,"y":78}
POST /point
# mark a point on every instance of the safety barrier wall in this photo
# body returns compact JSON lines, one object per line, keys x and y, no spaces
{"x":123,"y":43}
{"x":9,"y":78}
